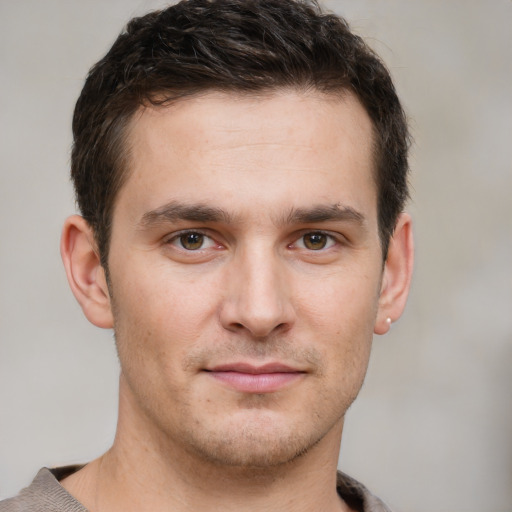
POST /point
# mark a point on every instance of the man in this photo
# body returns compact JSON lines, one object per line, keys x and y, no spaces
{"x":241,"y":171}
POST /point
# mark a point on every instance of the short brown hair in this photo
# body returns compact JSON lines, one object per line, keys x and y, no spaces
{"x":229,"y":45}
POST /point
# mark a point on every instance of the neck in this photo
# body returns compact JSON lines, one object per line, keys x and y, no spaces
{"x":145,"y":470}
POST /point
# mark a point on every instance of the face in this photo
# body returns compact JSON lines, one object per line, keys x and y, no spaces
{"x":245,"y":270}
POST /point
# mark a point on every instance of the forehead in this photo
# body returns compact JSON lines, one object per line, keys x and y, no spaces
{"x":256,"y":146}
{"x":305,"y":116}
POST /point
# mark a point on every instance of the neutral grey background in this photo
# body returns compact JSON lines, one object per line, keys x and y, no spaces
{"x":432,"y":428}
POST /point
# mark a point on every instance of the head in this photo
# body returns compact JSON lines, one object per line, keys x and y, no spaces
{"x":248,"y":47}
{"x":241,"y":169}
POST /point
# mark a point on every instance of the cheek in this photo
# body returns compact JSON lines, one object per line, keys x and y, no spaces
{"x":340,"y":315}
{"x":159,"y":317}
{"x":159,"y":295}
{"x":341,"y":302}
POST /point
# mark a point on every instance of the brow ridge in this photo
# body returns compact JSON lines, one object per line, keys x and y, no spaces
{"x":174,"y":211}
{"x":200,"y":212}
{"x":324,"y":213}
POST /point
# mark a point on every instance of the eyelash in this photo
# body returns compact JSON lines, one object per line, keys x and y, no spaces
{"x":330,"y":240}
{"x":175,"y":239}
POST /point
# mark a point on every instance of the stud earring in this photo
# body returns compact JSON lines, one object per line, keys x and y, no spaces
{"x":389,"y":321}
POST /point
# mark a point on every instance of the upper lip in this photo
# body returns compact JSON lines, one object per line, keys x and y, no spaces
{"x":254,"y":369}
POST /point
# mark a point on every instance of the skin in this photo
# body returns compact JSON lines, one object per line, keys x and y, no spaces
{"x":244,"y":241}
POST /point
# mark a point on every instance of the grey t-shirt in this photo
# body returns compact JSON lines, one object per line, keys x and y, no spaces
{"x":45,"y":494}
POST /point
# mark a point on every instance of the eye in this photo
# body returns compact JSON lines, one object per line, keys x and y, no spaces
{"x":315,"y":241}
{"x":192,"y":241}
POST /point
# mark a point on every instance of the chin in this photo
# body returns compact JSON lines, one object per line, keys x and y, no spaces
{"x":258,"y":445}
{"x":251,"y":453}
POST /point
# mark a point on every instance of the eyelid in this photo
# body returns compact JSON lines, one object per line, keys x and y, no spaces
{"x":174,"y":237}
{"x":336,"y":239}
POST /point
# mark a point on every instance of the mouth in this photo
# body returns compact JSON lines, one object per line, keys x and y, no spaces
{"x":248,"y":378}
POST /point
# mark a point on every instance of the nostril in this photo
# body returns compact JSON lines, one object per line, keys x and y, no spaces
{"x":255,"y":331}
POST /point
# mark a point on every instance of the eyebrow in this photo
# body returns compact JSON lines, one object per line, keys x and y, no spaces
{"x":324,"y":213}
{"x":175,"y":211}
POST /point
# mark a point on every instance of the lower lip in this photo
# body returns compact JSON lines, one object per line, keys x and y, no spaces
{"x":257,"y":382}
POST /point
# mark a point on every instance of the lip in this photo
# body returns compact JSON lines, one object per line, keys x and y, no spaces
{"x":248,"y":378}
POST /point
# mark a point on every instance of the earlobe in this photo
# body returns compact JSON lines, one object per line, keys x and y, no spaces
{"x":85,"y":274}
{"x":397,"y":275}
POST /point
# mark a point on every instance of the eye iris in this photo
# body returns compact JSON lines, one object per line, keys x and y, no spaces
{"x":315,"y":241}
{"x":192,"y":241}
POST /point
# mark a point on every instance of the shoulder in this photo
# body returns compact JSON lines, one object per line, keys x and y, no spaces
{"x":44,"y":494}
{"x":357,"y":496}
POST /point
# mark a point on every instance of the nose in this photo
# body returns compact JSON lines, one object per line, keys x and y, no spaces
{"x":257,"y":295}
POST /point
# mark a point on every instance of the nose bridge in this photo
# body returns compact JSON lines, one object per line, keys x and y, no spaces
{"x":257,"y":297}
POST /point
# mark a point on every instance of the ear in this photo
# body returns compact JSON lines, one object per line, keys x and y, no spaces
{"x":85,"y":274}
{"x":396,"y":278}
